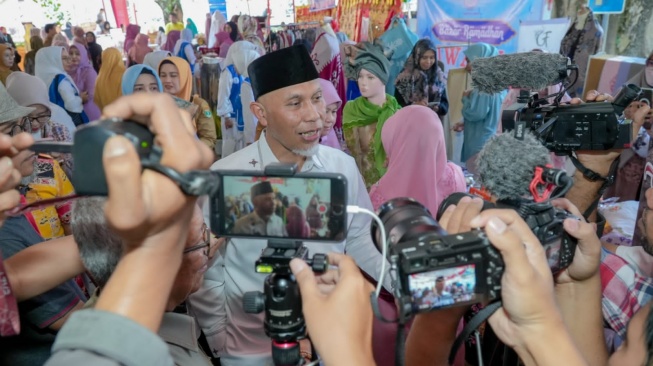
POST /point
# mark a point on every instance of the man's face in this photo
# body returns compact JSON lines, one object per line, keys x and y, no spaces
{"x":23,"y":161}
{"x":264,"y":205}
{"x":633,"y":350}
{"x":294,"y":117}
{"x":193,"y":264}
{"x":439,"y":286}
{"x":172,"y":18}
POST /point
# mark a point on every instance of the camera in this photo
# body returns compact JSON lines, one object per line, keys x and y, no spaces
{"x":567,"y":128}
{"x":437,"y":270}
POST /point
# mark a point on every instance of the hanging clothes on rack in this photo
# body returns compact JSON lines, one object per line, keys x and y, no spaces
{"x":400,"y":40}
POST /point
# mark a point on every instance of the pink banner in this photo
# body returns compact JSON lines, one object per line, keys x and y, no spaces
{"x":120,"y":12}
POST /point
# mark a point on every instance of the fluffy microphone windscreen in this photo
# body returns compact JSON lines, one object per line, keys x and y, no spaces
{"x":528,"y":70}
{"x":506,"y":165}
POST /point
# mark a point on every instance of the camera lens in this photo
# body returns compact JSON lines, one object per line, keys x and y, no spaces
{"x":626,"y":95}
{"x":404,"y":219}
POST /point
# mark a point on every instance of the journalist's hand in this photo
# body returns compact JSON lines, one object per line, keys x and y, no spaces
{"x":455,"y":219}
{"x":9,"y":176}
{"x":340,"y":336}
{"x":527,"y":285}
{"x":142,"y":205}
{"x":587,"y":256}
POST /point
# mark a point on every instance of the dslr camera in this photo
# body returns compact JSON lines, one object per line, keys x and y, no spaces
{"x":567,"y":128}
{"x":437,"y":270}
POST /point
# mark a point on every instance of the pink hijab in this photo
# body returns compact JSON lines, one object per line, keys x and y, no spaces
{"x":413,"y":139}
{"x":140,"y":48}
{"x":130,"y":35}
{"x":223,"y":41}
{"x":330,"y":96}
{"x":297,"y":225}
{"x":171,"y":40}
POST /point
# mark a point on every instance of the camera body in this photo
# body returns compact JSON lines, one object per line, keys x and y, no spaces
{"x":566,"y":128}
{"x":437,"y":270}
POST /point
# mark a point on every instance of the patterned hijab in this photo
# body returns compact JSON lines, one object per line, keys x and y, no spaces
{"x":415,"y":84}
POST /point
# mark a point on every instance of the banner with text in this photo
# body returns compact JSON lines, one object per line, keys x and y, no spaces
{"x":542,"y":34}
{"x":455,"y":24}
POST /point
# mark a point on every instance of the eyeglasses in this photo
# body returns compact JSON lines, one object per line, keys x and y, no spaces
{"x":205,"y":243}
{"x":25,"y":125}
{"x":42,"y":119}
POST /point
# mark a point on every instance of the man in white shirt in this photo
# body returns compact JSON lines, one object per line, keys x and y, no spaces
{"x":263,"y":221}
{"x":289,"y":103}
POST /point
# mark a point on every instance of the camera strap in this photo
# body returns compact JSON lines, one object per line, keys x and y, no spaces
{"x":471,"y":327}
{"x":593,"y":176}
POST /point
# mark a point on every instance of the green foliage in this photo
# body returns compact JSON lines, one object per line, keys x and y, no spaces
{"x":169,"y":6}
{"x":53,"y":11}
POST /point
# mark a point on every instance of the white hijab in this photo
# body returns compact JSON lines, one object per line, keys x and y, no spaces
{"x":217,"y":23}
{"x":48,"y":65}
{"x":241,"y":54}
{"x":153,"y":59}
{"x":185,"y":36}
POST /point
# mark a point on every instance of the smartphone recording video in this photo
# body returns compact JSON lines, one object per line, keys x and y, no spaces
{"x":300,"y":207}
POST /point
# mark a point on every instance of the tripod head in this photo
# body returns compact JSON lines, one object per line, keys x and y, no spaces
{"x":281,"y":300}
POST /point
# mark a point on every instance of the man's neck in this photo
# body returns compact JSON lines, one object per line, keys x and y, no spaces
{"x":378,"y":99}
{"x":284,"y":155}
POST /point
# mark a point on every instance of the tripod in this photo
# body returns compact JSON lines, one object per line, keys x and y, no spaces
{"x":281,"y":300}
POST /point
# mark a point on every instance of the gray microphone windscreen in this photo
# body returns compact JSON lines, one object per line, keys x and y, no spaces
{"x":506,"y":165}
{"x":528,"y":70}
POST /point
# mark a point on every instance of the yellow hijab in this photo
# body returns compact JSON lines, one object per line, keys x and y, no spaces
{"x":185,"y":77}
{"x":108,"y":83}
{"x":4,"y":70}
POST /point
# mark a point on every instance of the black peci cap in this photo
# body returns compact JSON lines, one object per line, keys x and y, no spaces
{"x":280,"y":69}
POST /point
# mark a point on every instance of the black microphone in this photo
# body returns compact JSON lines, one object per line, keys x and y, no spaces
{"x":527,"y":70}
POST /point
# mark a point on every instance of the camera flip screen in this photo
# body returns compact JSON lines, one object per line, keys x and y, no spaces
{"x":443,"y":287}
{"x":298,"y":207}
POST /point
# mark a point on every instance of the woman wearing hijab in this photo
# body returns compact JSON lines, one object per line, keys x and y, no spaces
{"x":137,"y":53}
{"x":325,"y":53}
{"x":296,"y":224}
{"x":190,"y":25}
{"x":106,"y":28}
{"x":153,"y":59}
{"x":141,"y":78}
{"x":130,"y":36}
{"x":107,"y":85}
{"x":413,"y":139}
{"x":235,"y":94}
{"x":171,"y":40}
{"x":6,"y":61}
{"x":60,"y":40}
{"x":421,"y":81}
{"x":177,"y":80}
{"x":50,"y":121}
{"x":184,"y":49}
{"x":94,"y":51}
{"x":36,"y":43}
{"x":50,"y":68}
{"x":84,"y":76}
{"x":333,"y":104}
{"x":217,"y":24}
{"x":226,"y":38}
{"x":248,"y":27}
{"x":79,"y":36}
{"x":480,"y":110}
{"x":363,"y":117}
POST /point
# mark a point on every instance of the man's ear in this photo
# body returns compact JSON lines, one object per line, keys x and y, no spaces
{"x":259,"y":111}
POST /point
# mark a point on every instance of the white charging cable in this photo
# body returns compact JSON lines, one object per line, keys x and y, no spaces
{"x":384,"y":241}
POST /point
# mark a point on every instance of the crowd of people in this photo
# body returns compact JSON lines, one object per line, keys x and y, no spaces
{"x":139,"y":278}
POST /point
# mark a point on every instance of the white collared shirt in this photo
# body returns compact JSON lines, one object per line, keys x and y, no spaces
{"x":235,"y":336}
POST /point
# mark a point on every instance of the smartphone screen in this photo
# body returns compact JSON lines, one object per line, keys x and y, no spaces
{"x":301,"y":207}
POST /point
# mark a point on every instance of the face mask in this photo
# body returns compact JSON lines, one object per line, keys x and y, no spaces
{"x":648,"y":73}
